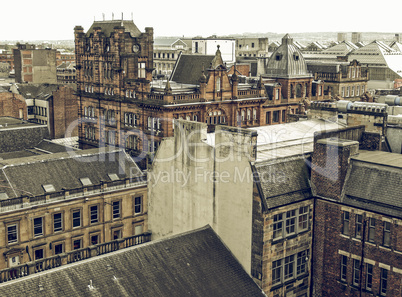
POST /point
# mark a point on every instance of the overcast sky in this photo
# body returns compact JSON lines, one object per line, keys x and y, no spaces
{"x":51,"y":20}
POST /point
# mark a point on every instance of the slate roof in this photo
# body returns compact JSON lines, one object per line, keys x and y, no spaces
{"x":374,"y":182}
{"x":284,"y":180}
{"x":291,"y":62}
{"x":195,"y":263}
{"x":341,"y":49}
{"x":36,"y":91}
{"x":188,"y":68}
{"x":21,"y":137}
{"x":63,"y":170}
{"x":107,"y":27}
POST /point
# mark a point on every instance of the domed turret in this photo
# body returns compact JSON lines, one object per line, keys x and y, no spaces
{"x":287,"y":61}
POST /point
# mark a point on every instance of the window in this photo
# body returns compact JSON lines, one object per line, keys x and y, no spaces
{"x":283,"y":116}
{"x":357,"y":90}
{"x":387,"y":234}
{"x":290,"y":222}
{"x":383,"y":282}
{"x":268,"y":117}
{"x":248,"y":114}
{"x":38,"y":226}
{"x":77,"y":244}
{"x":218,"y":84}
{"x":77,"y":218}
{"x":131,"y":142}
{"x":57,"y":222}
{"x":303,"y":218}
{"x":276,"y":272}
{"x":94,"y":214}
{"x":116,"y":209}
{"x":289,"y":267}
{"x":369,"y":277}
{"x":137,"y":205}
{"x":277,"y":94}
{"x":345,"y":223}
{"x":278,"y":226}
{"x":12,"y":233}
{"x":138,"y":229}
{"x":58,"y":248}
{"x":356,"y":272}
{"x":275,"y":116}
{"x":344,"y":267}
{"x":359,"y":225}
{"x":371,"y":232}
{"x":347,"y":91}
{"x":301,"y":267}
{"x":38,"y":254}
{"x":141,"y":70}
{"x":116,"y":234}
{"x":94,"y":239}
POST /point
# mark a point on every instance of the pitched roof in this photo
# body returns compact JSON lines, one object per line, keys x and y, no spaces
{"x":341,"y":49}
{"x":284,"y":180}
{"x":107,"y":27}
{"x":383,"y":192}
{"x":63,"y":170}
{"x":195,"y":263}
{"x":17,"y":138}
{"x":188,"y":68}
{"x":36,"y":91}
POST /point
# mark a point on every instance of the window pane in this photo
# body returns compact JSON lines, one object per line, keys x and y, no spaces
{"x":276,"y":271}
{"x":344,"y":263}
{"x":12,"y":235}
{"x":369,"y":274}
{"x":77,"y":218}
{"x":383,"y":283}
{"x":289,"y":267}
{"x":38,"y":229}
{"x":57,"y":221}
{"x":116,"y":209}
{"x":94,"y":214}
{"x":138,"y":205}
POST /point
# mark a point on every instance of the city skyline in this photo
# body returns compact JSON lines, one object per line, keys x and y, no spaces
{"x":178,"y":18}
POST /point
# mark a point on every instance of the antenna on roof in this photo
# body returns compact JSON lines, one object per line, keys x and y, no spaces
{"x":112,"y":16}
{"x":103,"y":16}
{"x":121,"y":15}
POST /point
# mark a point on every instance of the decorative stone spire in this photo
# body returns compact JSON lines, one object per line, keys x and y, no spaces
{"x":217,"y":61}
{"x":235,"y":77}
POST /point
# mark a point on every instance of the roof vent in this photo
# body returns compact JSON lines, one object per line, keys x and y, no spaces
{"x":90,"y":286}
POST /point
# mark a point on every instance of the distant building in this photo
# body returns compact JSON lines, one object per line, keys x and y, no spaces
{"x":63,"y":56}
{"x":166,"y":52}
{"x":347,"y":80}
{"x":207,"y":46}
{"x":342,"y":37}
{"x":66,"y":73}
{"x":55,"y":106}
{"x":6,"y":56}
{"x":252,"y":47}
{"x":34,"y":65}
{"x":356,"y":37}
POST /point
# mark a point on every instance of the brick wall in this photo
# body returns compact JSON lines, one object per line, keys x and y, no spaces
{"x":13,"y":105}
{"x":63,"y":112}
{"x":330,"y":163}
{"x":330,"y":245}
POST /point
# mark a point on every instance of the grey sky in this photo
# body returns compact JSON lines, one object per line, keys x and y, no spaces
{"x":50,"y":20}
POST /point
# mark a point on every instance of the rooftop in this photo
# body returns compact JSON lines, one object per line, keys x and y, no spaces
{"x":196,"y":263}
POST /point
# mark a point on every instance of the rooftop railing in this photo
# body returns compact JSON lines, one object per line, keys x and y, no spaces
{"x":72,"y":257}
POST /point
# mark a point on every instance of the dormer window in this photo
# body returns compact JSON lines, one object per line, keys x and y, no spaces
{"x":278,"y":57}
{"x":296,"y":57}
{"x":86,"y":181}
{"x":49,"y":188}
{"x":113,"y":176}
{"x":107,"y":48}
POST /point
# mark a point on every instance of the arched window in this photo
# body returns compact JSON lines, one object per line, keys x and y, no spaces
{"x":254,"y":113}
{"x":242,"y":115}
{"x":248,"y":114}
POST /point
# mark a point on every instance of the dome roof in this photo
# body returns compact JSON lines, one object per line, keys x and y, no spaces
{"x":287,"y":61}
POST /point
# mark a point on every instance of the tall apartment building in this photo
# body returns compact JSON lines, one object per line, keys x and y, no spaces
{"x":356,"y":37}
{"x":34,"y":65}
